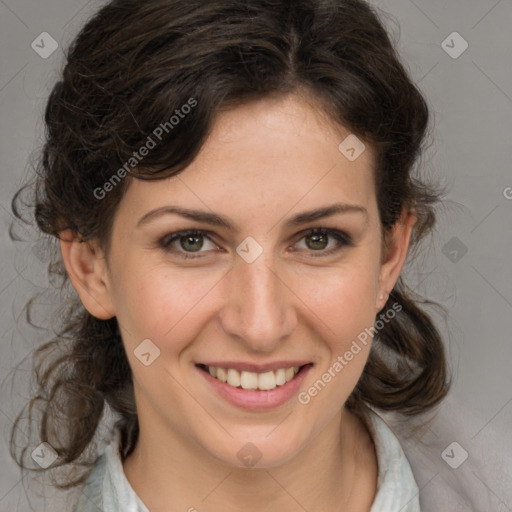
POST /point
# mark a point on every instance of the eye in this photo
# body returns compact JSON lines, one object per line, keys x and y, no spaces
{"x":317,"y":240}
{"x":186,"y":243}
{"x":190,"y":241}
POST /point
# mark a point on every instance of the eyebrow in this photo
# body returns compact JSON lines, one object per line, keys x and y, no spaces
{"x":218,"y":220}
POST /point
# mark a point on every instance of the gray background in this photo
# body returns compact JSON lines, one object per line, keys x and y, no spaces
{"x":471,"y":101}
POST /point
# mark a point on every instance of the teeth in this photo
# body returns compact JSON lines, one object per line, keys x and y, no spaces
{"x":280,"y":376}
{"x":289,"y":374}
{"x":222,"y":375}
{"x":248,"y":380}
{"x":265,"y":381}
{"x":233,"y":378}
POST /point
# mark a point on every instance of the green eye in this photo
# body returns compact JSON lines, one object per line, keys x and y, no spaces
{"x":186,"y":243}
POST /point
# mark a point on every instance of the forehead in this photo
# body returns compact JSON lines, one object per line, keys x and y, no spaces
{"x":266,"y":158}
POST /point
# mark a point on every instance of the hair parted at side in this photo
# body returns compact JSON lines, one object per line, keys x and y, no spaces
{"x":128,"y":70}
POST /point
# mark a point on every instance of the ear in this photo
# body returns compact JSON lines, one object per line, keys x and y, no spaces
{"x":396,"y":246}
{"x":87,"y":269}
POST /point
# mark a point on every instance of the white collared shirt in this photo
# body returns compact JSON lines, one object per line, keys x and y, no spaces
{"x":107,"y":489}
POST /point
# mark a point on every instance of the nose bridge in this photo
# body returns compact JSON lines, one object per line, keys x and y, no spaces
{"x":258,"y":308}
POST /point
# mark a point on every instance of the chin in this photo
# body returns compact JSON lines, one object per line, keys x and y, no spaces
{"x":257,"y":451}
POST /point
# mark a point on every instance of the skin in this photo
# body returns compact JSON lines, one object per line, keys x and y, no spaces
{"x":263,"y":163}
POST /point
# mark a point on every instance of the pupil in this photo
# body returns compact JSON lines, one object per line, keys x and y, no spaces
{"x":316,"y":238}
{"x":192,"y":238}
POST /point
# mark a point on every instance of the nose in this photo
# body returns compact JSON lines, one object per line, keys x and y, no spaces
{"x":259,"y":307}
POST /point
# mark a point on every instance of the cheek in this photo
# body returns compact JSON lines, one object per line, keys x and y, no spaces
{"x":158,"y":303}
{"x":344,"y":308}
{"x":343,"y":299}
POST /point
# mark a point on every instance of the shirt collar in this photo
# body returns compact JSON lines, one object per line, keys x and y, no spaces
{"x":397,"y":490}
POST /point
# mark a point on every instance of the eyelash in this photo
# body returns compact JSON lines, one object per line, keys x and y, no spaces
{"x":343,"y":238}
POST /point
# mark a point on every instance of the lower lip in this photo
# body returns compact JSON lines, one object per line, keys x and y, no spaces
{"x":254,"y":399}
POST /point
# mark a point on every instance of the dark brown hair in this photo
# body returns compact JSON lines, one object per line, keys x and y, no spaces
{"x":131,"y":66}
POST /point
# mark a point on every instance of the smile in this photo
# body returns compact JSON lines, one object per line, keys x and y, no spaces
{"x":255,"y":387}
{"x":265,"y":381}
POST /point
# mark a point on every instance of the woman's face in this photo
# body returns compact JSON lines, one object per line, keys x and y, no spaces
{"x":254,"y":292}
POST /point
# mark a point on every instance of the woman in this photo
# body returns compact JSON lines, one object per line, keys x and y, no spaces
{"x":233,"y":188}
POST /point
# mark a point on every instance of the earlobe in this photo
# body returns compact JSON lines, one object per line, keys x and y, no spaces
{"x":395,"y":254}
{"x":86,"y":268}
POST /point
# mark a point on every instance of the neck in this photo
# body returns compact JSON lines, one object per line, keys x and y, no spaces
{"x":170,"y":475}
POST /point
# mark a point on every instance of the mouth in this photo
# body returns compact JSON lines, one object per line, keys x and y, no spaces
{"x":266,"y":380}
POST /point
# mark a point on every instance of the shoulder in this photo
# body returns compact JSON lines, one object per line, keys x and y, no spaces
{"x":455,"y":469}
{"x":396,"y":486}
{"x":106,"y":487}
{"x":91,"y":495}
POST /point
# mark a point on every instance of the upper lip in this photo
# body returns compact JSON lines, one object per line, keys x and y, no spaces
{"x":252,"y":367}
